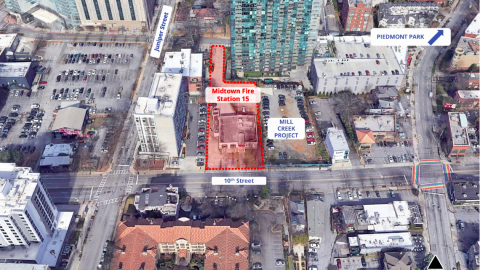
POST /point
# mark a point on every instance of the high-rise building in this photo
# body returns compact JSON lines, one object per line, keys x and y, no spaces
{"x":65,"y":9}
{"x":356,"y":14}
{"x":273,"y":36}
{"x":133,"y":15}
{"x":31,"y":228}
{"x":160,"y":118}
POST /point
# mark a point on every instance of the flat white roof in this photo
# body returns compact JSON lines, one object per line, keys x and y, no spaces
{"x":474,"y":27}
{"x":23,"y":266}
{"x":388,"y":217}
{"x":337,"y":139}
{"x":469,"y":94}
{"x":44,"y":16}
{"x":185,"y":62}
{"x":6,"y":40}
{"x":385,"y":240}
{"x":375,"y":123}
{"x":458,"y":133}
{"x":163,"y":95}
{"x":14,"y":69}
{"x":56,"y":242}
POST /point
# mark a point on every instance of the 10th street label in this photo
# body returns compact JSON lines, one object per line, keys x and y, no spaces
{"x":233,"y":94}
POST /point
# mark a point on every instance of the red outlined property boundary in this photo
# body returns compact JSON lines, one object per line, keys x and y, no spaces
{"x":260,"y":141}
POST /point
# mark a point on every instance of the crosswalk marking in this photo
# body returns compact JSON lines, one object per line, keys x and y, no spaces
{"x":129,"y":184}
{"x":121,"y":172}
{"x":100,"y":188}
{"x":106,"y":202}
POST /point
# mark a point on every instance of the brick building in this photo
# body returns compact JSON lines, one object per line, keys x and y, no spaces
{"x":457,"y":136}
{"x":355,"y":15}
{"x":469,"y":99}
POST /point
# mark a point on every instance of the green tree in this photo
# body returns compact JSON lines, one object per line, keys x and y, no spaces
{"x":265,"y":192}
{"x":300,"y":239}
{"x":11,"y":156}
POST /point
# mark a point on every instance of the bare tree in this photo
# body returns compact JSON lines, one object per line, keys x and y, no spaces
{"x":348,"y":104}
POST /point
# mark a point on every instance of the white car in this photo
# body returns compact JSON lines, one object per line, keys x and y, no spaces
{"x":280,"y":262}
{"x":312,"y":250}
{"x":355,"y":193}
{"x":390,"y":159}
{"x":350,"y":197}
{"x":318,"y":113}
{"x":339,"y":196}
{"x":314,"y":245}
{"x":359,"y":194}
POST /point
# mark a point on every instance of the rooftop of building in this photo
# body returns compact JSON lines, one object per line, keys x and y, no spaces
{"x":70,"y":118}
{"x":17,"y":187}
{"x":14,"y":69}
{"x":315,"y":215}
{"x":156,"y":197}
{"x":141,"y":237}
{"x":163,"y":95}
{"x":469,"y":45}
{"x":355,"y":3}
{"x":399,"y":261}
{"x":6,"y":40}
{"x":365,"y":136}
{"x":337,"y":139}
{"x":386,"y":92}
{"x":366,"y":58}
{"x":58,"y":149}
{"x":23,"y":266}
{"x":388,"y":217}
{"x":469,"y":94}
{"x":408,"y":4}
{"x":381,"y":240}
{"x":375,"y":123}
{"x":458,"y":128}
{"x":474,"y":27}
{"x":465,"y":190}
{"x":56,"y":161}
{"x":183,"y":62}
{"x":236,"y":125}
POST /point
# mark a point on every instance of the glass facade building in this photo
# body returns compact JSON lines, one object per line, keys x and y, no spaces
{"x":273,"y":36}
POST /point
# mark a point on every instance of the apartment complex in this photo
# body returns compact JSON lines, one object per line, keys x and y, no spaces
{"x":273,"y":36}
{"x":31,"y":228}
{"x":190,"y":65}
{"x":132,"y":15}
{"x":357,"y":67}
{"x":411,"y":14}
{"x":160,"y":118}
{"x":337,"y":145}
{"x":224,"y":243}
{"x":466,"y":54}
{"x":457,"y":135}
{"x":356,"y":14}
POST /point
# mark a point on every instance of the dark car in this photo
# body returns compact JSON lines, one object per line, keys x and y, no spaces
{"x":364,"y":262}
{"x":280,"y":155}
{"x":377,"y":193}
{"x":284,"y":155}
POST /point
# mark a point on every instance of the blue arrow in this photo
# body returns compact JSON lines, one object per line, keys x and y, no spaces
{"x":434,"y":38}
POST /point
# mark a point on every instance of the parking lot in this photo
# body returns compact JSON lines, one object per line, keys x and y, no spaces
{"x":74,"y":83}
{"x":356,"y":262}
{"x":283,"y":104}
{"x":373,"y":196}
{"x":468,"y":233}
{"x":271,"y":248}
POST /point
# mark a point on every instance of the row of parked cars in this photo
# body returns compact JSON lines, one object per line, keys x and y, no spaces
{"x":357,"y":194}
{"x":201,"y":136}
{"x":310,"y":137}
{"x":33,"y":122}
{"x":96,"y":58}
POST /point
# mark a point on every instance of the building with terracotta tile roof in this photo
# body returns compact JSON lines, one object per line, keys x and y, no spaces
{"x":365,"y":139}
{"x":224,"y":243}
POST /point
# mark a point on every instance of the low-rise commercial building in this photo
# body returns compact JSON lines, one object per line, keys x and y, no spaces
{"x":457,"y":135}
{"x":382,"y":126}
{"x":223,"y":243}
{"x":373,"y":243}
{"x":467,"y":81}
{"x":366,"y":139}
{"x":473,"y":30}
{"x":464,"y":192}
{"x":117,"y":15}
{"x":161,"y":198}
{"x":23,"y":266}
{"x":468,"y":99}
{"x":160,"y":118}
{"x":70,"y":121}
{"x":399,"y":261}
{"x":357,"y":67}
{"x":190,"y":65}
{"x":32,"y":229}
{"x":315,"y":218}
{"x":337,"y":145}
{"x":466,"y":54}
{"x":411,"y":14}
{"x":356,"y":14}
{"x":55,"y":155}
{"x":17,"y":75}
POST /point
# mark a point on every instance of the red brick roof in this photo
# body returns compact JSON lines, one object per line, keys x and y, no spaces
{"x":226,"y":236}
{"x":365,"y":136}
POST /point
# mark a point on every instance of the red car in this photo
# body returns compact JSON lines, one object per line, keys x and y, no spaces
{"x":84,"y":78}
{"x":339,"y":264}
{"x":201,"y":147}
{"x":307,"y":121}
{"x":43,"y":82}
{"x":201,"y":130}
{"x":309,"y":133}
{"x":378,"y":62}
{"x":310,"y":139}
{"x":351,"y":56}
{"x":368,"y":72}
